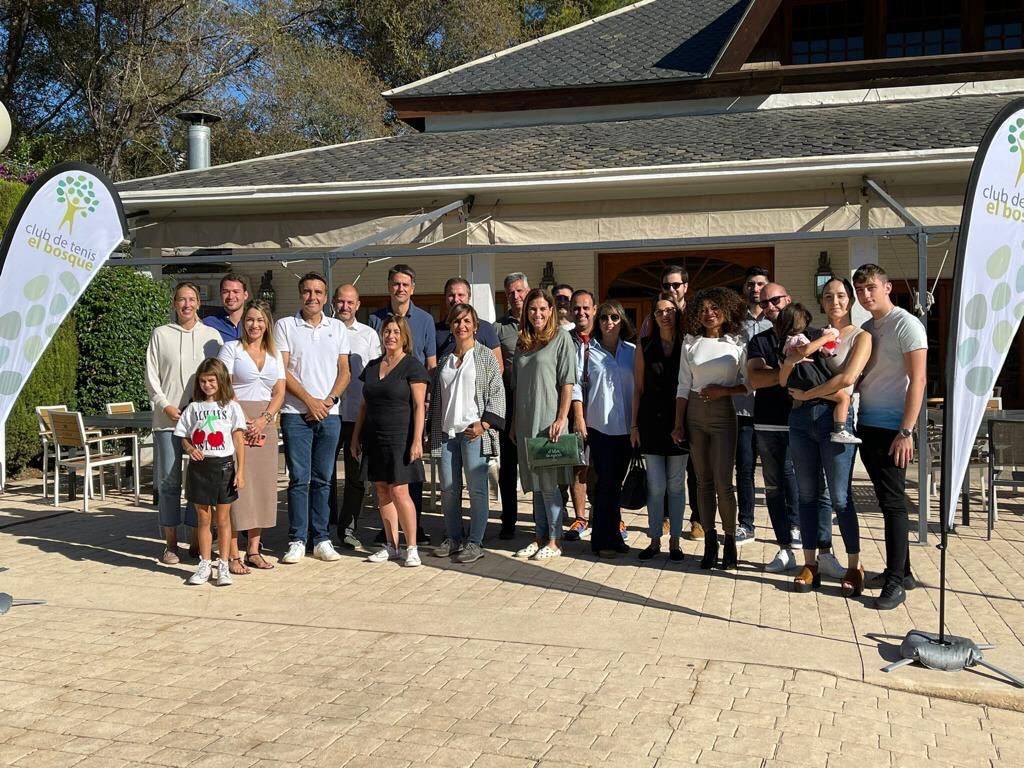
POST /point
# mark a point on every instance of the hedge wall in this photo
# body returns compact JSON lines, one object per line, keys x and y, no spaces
{"x":114,"y":319}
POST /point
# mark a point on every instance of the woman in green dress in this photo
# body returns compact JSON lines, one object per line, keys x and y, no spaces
{"x":543,"y":375}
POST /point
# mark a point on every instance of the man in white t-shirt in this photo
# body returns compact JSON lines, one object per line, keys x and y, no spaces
{"x":891,"y":393}
{"x":364,"y":346}
{"x":315,"y":351}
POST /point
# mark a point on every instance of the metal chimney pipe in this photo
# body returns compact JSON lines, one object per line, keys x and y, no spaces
{"x":198,"y":137}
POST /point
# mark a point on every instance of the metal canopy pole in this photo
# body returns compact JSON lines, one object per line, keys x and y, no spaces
{"x":920,"y":236}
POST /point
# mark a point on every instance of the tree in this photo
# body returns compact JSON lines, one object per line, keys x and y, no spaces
{"x":542,"y":17}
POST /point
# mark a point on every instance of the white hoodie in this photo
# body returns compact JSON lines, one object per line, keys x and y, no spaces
{"x":172,"y":358}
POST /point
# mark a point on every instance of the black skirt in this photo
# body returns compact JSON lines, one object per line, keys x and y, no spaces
{"x":211,"y":481}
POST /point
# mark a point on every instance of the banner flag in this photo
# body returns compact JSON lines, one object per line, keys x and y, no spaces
{"x":63,"y":230}
{"x":988,"y":292}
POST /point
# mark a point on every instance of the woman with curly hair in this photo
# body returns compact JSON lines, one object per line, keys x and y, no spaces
{"x":711,"y":371}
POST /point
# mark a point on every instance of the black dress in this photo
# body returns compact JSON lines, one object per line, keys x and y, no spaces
{"x":657,"y":412}
{"x":388,"y":429}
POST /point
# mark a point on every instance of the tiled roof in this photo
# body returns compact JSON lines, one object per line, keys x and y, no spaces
{"x":657,"y":40}
{"x":935,"y":123}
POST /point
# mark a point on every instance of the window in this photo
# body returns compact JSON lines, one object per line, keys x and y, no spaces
{"x":827,"y":32}
{"x":1003,"y":25}
{"x":922,"y":28}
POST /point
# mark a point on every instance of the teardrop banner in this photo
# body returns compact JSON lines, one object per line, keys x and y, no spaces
{"x":988,"y":292}
{"x":65,"y":227}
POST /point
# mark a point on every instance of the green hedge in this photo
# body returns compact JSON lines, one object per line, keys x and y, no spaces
{"x":51,"y":383}
{"x":114,"y":319}
{"x":10,"y":194}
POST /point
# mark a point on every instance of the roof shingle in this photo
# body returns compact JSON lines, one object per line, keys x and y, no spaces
{"x":736,"y":136}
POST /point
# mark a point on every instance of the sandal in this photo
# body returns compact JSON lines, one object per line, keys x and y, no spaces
{"x":852,"y":584}
{"x":238,"y":570}
{"x":807,"y":579}
{"x":258,"y":561}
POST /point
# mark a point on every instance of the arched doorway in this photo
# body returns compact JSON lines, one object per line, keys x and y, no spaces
{"x":633,"y":279}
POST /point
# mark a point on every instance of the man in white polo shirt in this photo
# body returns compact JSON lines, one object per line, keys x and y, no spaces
{"x":364,"y":346}
{"x":315,"y":349}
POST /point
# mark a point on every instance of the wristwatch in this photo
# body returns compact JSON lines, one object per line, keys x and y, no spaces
{"x":906,"y":433}
{"x":335,"y":399}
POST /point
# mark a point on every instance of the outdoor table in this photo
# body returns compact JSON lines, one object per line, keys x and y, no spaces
{"x":127,"y":422}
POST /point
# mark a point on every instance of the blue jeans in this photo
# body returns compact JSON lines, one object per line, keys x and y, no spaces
{"x":746,"y":456}
{"x":818,"y":462}
{"x":458,"y":453}
{"x":665,"y":474}
{"x":310,"y":448}
{"x":780,"y":490}
{"x":548,"y":508}
{"x":167,"y":452}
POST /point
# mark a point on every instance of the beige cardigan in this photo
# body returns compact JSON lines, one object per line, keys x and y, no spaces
{"x":173,"y":355}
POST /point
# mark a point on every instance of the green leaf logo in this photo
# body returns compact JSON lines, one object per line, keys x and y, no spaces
{"x":76,"y":192}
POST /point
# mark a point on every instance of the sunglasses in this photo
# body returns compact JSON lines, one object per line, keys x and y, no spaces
{"x":672,"y":286}
{"x":609,"y":318}
{"x":774,"y":301}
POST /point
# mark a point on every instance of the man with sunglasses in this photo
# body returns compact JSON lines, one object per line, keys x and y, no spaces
{"x":755,"y":279}
{"x":562,"y":294}
{"x":771,"y":429}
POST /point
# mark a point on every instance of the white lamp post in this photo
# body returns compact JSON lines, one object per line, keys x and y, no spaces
{"x":5,"y":127}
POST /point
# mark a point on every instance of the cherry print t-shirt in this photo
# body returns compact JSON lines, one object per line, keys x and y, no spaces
{"x":209,"y":426}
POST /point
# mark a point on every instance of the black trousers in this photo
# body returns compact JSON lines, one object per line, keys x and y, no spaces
{"x":347,"y":515}
{"x":691,"y":491}
{"x":508,"y":480}
{"x":890,"y":484}
{"x":609,"y":456}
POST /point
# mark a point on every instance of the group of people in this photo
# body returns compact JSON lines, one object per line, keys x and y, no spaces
{"x":721,"y":379}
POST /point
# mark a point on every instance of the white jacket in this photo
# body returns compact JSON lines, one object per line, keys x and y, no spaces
{"x":172,"y":358}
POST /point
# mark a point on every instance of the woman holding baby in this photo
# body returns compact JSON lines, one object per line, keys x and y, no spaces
{"x":824,"y":464}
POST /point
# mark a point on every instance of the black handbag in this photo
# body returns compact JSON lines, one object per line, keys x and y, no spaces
{"x":634,"y":487}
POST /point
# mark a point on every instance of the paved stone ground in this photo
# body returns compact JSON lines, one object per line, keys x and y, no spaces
{"x":501,"y":663}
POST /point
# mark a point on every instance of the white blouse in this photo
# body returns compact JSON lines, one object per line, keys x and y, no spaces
{"x":705,"y":361}
{"x":458,"y":394}
{"x":249,"y":382}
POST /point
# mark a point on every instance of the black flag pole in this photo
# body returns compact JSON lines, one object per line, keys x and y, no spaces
{"x":940,"y":650}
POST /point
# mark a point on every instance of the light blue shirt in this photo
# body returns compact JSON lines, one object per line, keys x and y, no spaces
{"x":609,"y":404}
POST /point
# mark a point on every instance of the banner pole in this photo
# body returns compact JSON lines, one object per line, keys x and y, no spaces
{"x":924,"y":469}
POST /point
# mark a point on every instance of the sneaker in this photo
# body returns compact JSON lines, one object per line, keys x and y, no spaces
{"x":169,"y":558}
{"x":202,"y":575}
{"x":743,"y":535}
{"x":846,"y":437}
{"x":782,"y":562}
{"x":696,"y":532}
{"x":622,"y":531}
{"x":546,"y":553}
{"x":796,"y":539}
{"x":223,"y":575}
{"x":892,"y":595}
{"x":529,"y":550}
{"x":470,"y":553}
{"x":447,"y":548}
{"x":878,"y":582}
{"x":578,"y":530}
{"x":325,"y":551}
{"x":296,"y":551}
{"x":349,"y":541}
{"x":412,"y":557}
{"x":384,"y":554}
{"x":829,"y":566}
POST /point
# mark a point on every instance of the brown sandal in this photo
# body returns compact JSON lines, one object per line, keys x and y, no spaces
{"x":852,"y":584}
{"x":240,"y":570}
{"x":807,"y":579}
{"x":258,"y":561}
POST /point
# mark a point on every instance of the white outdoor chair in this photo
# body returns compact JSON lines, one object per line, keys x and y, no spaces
{"x":46,"y":438}
{"x":76,"y":450}
{"x":129,"y":407}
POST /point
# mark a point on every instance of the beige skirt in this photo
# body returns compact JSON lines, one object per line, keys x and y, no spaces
{"x":257,"y":501}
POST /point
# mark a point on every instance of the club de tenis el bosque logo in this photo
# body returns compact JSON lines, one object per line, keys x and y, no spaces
{"x":76,"y":192}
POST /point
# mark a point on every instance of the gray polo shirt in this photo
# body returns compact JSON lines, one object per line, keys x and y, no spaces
{"x":752,"y":326}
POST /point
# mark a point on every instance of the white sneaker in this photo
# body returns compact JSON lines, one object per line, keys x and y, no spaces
{"x":296,"y":551}
{"x":847,"y":437}
{"x":202,"y":574}
{"x":796,"y":539}
{"x":325,"y":551}
{"x":384,"y":554}
{"x":529,"y":550}
{"x":223,"y":575}
{"x":412,"y":557}
{"x":782,"y":561}
{"x":829,"y":566}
